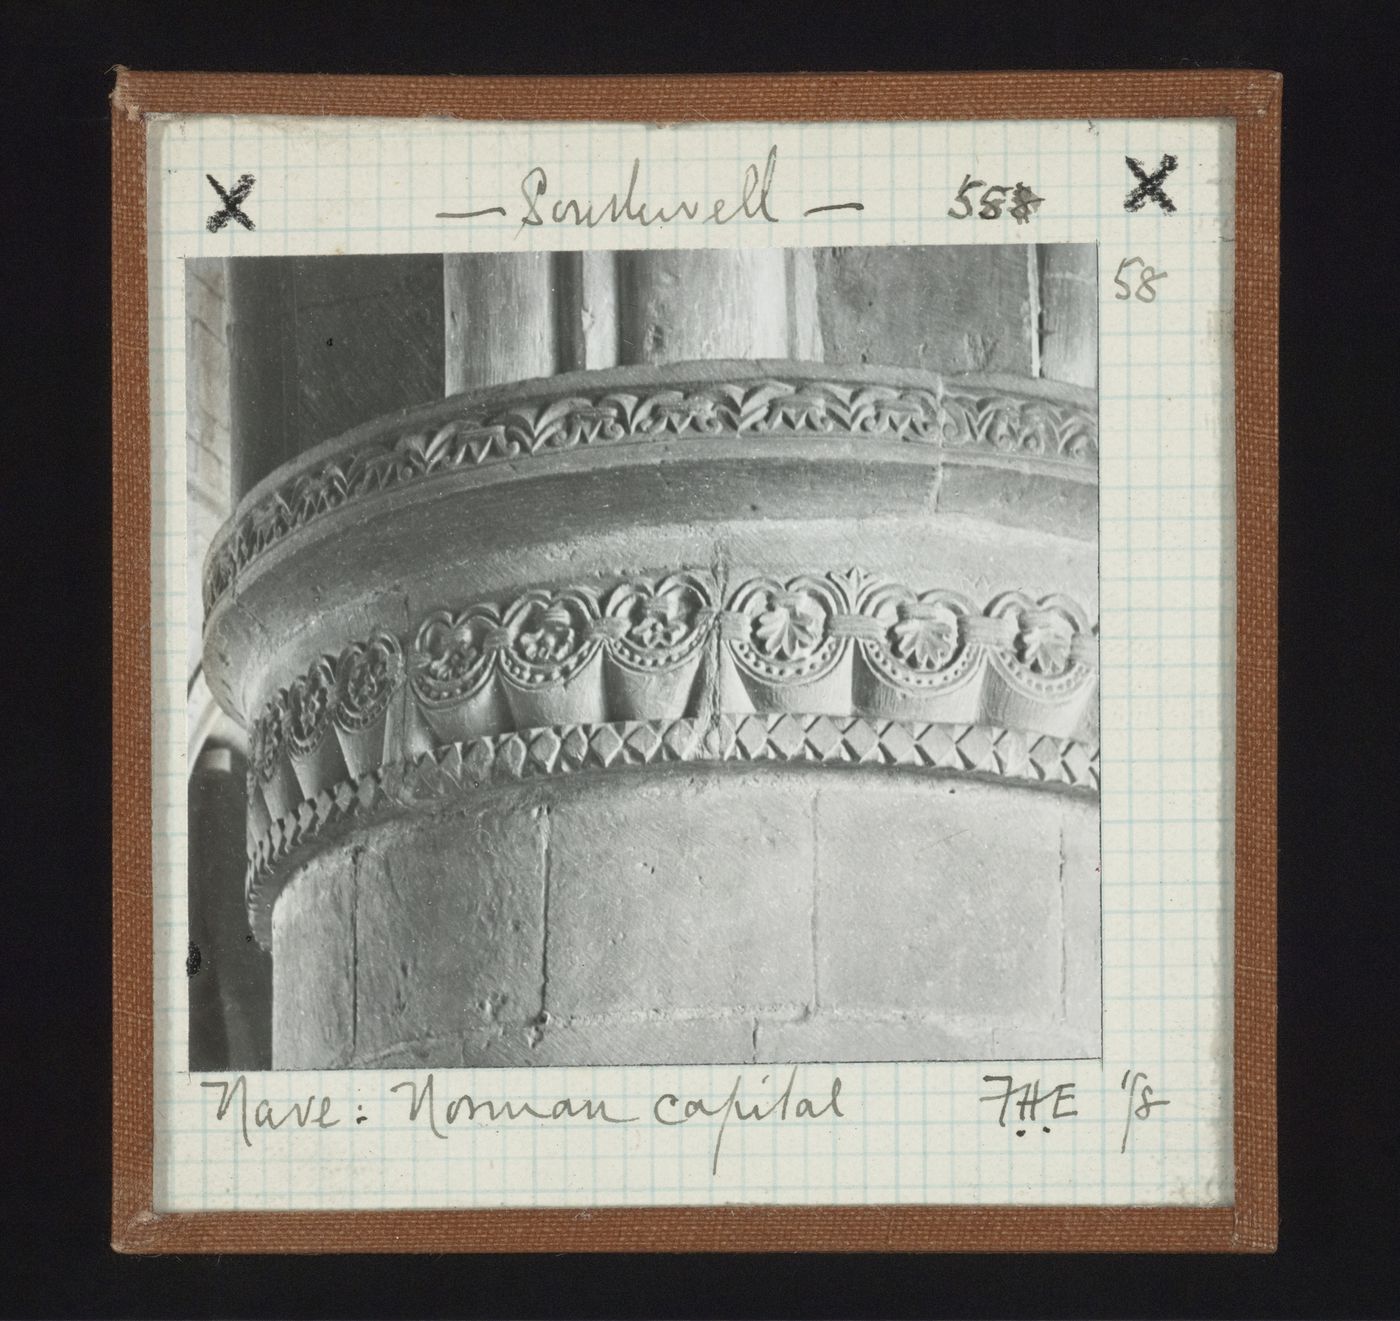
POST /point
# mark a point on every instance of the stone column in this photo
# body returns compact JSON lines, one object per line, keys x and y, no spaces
{"x":696,"y":708}
{"x":709,"y":303}
{"x":501,"y":312}
{"x":514,"y":316}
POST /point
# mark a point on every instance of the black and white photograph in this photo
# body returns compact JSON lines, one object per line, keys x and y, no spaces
{"x":643,"y":658}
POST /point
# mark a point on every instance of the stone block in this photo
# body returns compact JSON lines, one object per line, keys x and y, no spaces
{"x":597,"y":1043}
{"x":449,"y":925}
{"x":702,"y":303}
{"x":657,"y":1038}
{"x":683,"y":894}
{"x":207,"y":368}
{"x":852,"y":1039}
{"x":1083,"y":901}
{"x":318,"y":347}
{"x":313,"y":966}
{"x":944,"y":309}
{"x":1069,"y":347}
{"x":517,"y":338}
{"x":1020,"y":498}
{"x":940,"y":900}
{"x":231,"y":989}
{"x":368,"y":335}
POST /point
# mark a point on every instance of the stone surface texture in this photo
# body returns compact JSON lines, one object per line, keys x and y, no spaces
{"x":710,"y":914}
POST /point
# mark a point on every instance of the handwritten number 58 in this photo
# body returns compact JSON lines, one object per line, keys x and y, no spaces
{"x":1147,"y":277}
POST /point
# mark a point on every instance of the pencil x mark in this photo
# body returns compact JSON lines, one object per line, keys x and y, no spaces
{"x":1149,"y":185}
{"x":232,"y":208}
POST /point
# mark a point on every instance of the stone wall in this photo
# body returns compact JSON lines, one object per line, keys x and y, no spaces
{"x":230,"y":976}
{"x":208,"y":447}
{"x":320,"y":346}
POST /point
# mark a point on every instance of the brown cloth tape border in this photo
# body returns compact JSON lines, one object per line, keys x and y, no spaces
{"x":1253,"y":99}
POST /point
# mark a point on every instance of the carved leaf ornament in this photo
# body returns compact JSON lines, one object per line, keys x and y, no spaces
{"x":835,"y":669}
{"x":948,"y":414}
{"x":925,"y":635}
{"x":842,"y":643}
{"x":790,"y":627}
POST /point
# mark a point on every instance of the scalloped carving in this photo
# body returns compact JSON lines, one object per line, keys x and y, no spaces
{"x":366,"y":676}
{"x":786,"y":632}
{"x":452,"y":653}
{"x":548,"y":636}
{"x":657,"y":625}
{"x":310,"y":700}
{"x":1042,"y":660}
{"x":924,"y":643}
{"x":850,"y":644}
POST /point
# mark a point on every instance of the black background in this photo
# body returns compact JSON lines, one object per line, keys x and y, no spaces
{"x":1337,"y":1103}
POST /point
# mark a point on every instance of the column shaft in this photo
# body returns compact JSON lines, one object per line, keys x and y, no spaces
{"x":675,"y":306}
{"x":501,"y":318}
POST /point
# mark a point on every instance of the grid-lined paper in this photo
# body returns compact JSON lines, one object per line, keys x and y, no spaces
{"x":913,"y":1133}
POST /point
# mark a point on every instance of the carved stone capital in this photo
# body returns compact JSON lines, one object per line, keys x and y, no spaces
{"x":650,"y":669}
{"x":669,"y":647}
{"x":738,"y":420}
{"x":701,"y":629}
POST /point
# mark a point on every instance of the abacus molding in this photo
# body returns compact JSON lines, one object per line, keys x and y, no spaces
{"x":1032,"y":426}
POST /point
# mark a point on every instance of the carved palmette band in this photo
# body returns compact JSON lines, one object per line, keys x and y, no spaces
{"x":995,"y":421}
{"x":673,"y":647}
